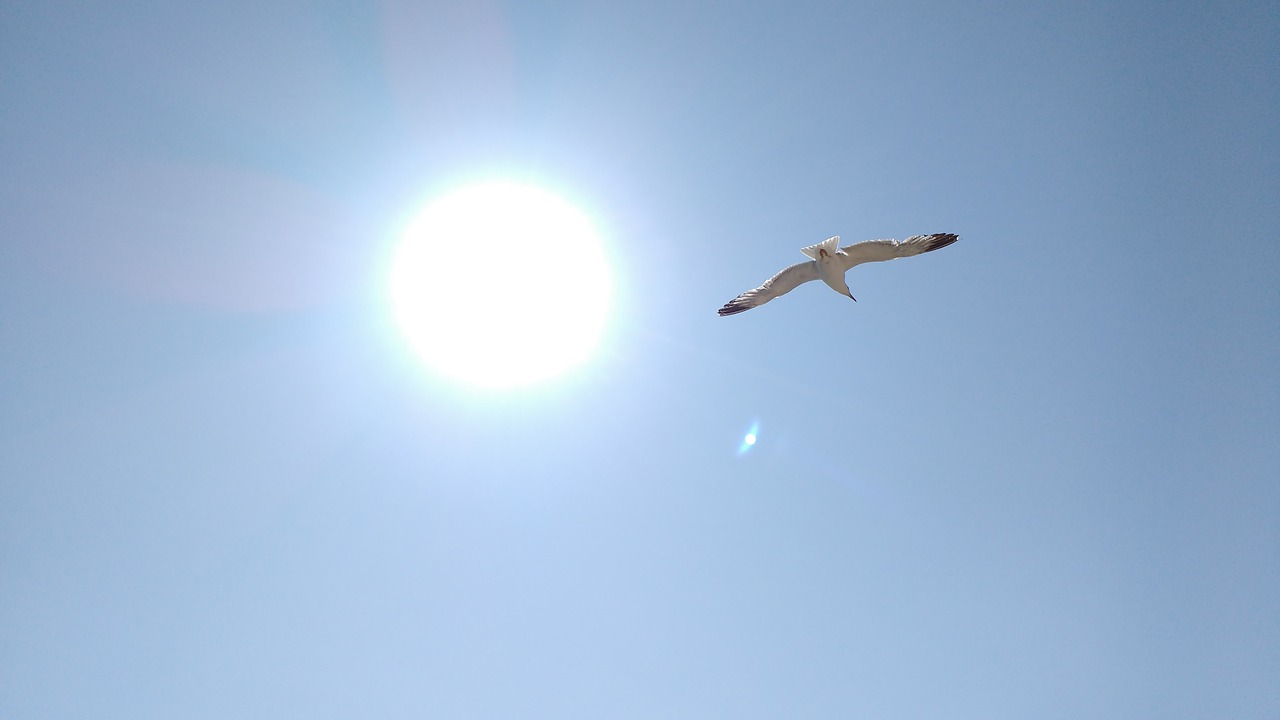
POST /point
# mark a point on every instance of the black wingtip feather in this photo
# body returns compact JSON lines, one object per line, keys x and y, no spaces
{"x":941,"y":240}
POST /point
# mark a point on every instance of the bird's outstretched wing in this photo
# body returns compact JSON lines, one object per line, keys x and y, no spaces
{"x":780,"y":284}
{"x":876,"y":250}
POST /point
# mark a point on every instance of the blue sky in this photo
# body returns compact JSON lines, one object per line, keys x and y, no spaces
{"x":1031,"y":475}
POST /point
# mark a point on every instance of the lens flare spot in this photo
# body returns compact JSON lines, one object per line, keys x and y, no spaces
{"x":749,"y":440}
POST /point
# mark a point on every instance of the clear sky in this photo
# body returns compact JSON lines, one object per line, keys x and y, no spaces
{"x":1033,"y":474}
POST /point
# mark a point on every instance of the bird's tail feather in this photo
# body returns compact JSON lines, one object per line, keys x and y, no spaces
{"x":831,"y":245}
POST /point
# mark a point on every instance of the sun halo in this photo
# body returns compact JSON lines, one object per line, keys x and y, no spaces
{"x":500,"y":285}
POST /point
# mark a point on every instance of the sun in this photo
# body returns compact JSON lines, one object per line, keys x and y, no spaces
{"x":500,"y":285}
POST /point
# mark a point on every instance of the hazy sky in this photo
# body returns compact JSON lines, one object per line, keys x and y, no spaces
{"x":1033,"y":475}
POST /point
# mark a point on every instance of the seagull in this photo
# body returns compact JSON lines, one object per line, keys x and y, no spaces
{"x":830,"y":262}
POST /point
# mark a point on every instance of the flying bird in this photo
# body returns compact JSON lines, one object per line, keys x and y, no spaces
{"x":830,"y":262}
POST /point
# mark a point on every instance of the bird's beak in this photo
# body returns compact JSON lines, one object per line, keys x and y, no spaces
{"x":851,"y":297}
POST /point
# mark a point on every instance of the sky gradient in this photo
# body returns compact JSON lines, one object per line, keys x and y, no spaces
{"x":1033,"y":474}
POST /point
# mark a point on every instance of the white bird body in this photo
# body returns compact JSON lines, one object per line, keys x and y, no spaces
{"x":829,"y":269}
{"x":830,"y":262}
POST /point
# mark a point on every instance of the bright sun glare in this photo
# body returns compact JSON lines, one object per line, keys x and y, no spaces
{"x":500,"y":285}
